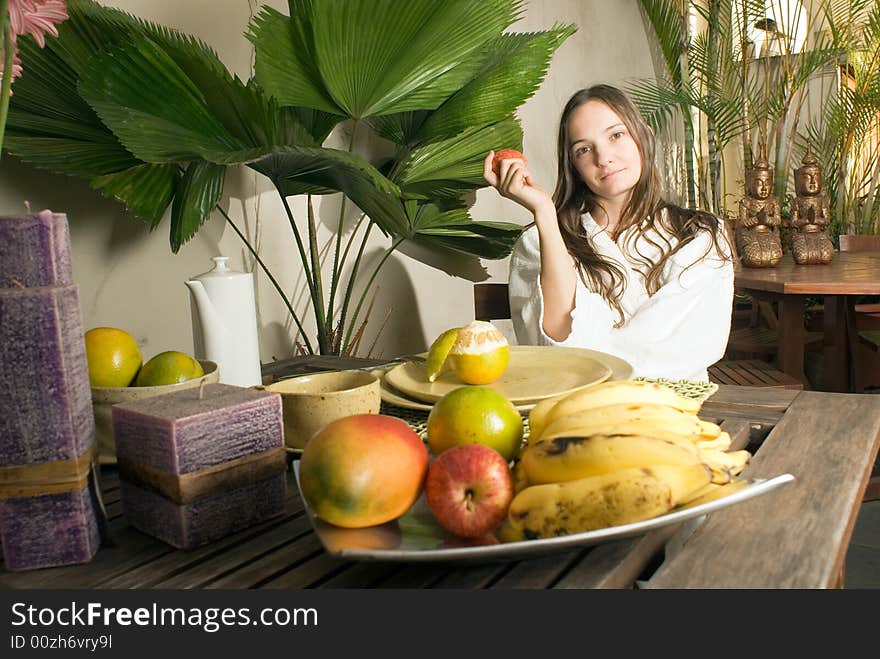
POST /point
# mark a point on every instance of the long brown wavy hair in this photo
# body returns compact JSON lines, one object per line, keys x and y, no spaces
{"x":645,"y":208}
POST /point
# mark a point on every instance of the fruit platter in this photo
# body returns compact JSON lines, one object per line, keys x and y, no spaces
{"x":606,"y":460}
{"x":417,"y":537}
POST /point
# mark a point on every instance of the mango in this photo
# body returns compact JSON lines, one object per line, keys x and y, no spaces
{"x":363,"y":470}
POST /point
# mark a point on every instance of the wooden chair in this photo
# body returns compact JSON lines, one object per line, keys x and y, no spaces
{"x":760,"y":338}
{"x":491,"y":302}
{"x":867,"y":316}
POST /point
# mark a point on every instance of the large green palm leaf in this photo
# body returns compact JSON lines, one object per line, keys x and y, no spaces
{"x":362,"y":58}
{"x":52,"y":127}
{"x":454,"y":229}
{"x":452,"y":166}
{"x":513,"y":70}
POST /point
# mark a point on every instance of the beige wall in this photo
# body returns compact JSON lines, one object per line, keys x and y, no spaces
{"x":129,"y":278}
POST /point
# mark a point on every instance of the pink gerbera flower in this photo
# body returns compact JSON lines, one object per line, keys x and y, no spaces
{"x":36,"y":18}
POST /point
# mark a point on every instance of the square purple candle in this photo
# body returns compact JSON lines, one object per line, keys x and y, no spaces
{"x":197,"y":466}
{"x":35,"y":250}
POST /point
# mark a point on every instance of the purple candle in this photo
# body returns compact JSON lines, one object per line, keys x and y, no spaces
{"x":45,"y":419}
{"x":197,"y":466}
{"x":45,"y":399}
{"x":34,"y":250}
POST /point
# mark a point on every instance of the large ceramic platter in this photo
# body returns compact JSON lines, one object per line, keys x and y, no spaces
{"x":416,"y":536}
{"x":533,"y":374}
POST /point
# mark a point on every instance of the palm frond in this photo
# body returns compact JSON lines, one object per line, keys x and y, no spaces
{"x":454,"y":229}
{"x":362,"y":58}
{"x":145,"y":189}
{"x":513,"y":70}
{"x":454,"y":165}
{"x":290,"y":168}
{"x":197,"y":193}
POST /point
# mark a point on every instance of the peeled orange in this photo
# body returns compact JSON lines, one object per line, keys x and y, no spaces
{"x":480,"y":354}
{"x":113,"y":357}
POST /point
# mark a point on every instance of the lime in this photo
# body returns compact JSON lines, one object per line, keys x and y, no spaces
{"x":475,"y":415}
{"x":169,"y":367}
{"x":438,"y":352}
{"x":113,"y":357}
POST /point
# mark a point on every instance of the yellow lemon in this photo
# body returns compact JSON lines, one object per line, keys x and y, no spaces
{"x":169,"y":367}
{"x":439,"y":351}
{"x":480,"y":353}
{"x":113,"y":357}
{"x":475,"y":415}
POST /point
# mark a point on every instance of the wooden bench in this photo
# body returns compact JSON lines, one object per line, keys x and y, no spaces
{"x":751,"y":373}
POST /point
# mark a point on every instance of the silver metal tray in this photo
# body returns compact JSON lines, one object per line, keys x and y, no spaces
{"x":417,"y":537}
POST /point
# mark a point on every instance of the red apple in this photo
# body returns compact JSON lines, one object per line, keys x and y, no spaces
{"x":468,"y":489}
{"x":505,"y":154}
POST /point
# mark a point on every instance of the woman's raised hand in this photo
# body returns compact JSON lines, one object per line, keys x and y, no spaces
{"x":513,"y":180}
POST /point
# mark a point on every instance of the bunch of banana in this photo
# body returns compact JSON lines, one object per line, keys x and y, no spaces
{"x":616,"y":453}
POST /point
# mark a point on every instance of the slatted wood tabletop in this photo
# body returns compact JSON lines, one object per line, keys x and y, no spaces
{"x":795,"y":537}
{"x":849,"y":275}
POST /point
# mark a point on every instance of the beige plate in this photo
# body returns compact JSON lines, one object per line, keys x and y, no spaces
{"x":534,"y":373}
{"x":390,"y":395}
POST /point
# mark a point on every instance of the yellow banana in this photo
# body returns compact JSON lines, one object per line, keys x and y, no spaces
{"x":570,"y":458}
{"x":720,"y":443}
{"x":507,"y":533}
{"x":518,"y":475}
{"x":724,"y":465}
{"x":714,"y":491}
{"x":630,"y":418}
{"x":538,"y":416}
{"x":620,"y":497}
{"x":621,"y":391}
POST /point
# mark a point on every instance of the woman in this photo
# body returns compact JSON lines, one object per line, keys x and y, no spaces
{"x":609,"y":265}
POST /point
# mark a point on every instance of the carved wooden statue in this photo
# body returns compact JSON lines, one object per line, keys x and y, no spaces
{"x":757,"y":232}
{"x":810,"y":216}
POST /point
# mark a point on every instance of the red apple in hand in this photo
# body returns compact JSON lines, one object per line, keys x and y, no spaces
{"x":468,"y":489}
{"x":505,"y":154}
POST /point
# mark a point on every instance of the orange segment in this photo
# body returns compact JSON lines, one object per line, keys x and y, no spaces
{"x":439,"y":351}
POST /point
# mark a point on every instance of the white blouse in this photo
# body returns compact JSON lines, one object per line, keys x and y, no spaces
{"x":677,"y":333}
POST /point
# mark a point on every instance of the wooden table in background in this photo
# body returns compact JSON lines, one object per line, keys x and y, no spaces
{"x":794,"y":537}
{"x":849,"y":275}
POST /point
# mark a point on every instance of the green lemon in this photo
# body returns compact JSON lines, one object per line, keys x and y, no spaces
{"x":475,"y":415}
{"x":439,"y":351}
{"x":169,"y":367}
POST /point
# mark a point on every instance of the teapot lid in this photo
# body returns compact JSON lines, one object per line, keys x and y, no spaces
{"x":221,"y":270}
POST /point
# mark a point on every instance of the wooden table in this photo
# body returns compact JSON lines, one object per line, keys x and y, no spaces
{"x":795,"y":537}
{"x":849,"y":275}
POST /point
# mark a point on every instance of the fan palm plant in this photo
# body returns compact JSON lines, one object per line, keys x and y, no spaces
{"x":152,"y":117}
{"x":845,"y":136}
{"x":727,"y":94}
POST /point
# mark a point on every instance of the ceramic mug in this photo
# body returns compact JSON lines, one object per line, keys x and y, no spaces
{"x":310,"y":402}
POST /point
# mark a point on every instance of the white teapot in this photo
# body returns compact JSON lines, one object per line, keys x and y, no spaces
{"x":224,"y":321}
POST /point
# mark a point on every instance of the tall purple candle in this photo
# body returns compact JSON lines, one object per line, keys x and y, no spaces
{"x":46,"y":414}
{"x":35,"y":250}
